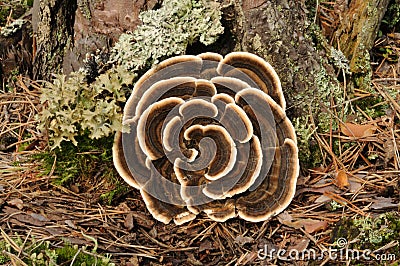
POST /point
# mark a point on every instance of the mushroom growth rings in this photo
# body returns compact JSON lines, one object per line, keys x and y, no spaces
{"x":209,"y":134}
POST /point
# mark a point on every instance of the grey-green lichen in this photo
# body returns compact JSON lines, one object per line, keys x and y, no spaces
{"x":304,"y":133}
{"x":339,"y":60}
{"x":84,"y":7}
{"x":77,"y":106}
{"x":168,"y":31}
{"x":319,"y":103}
{"x":12,"y":27}
{"x":329,"y":92}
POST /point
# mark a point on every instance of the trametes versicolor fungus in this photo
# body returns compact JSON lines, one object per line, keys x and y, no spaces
{"x":209,"y":134}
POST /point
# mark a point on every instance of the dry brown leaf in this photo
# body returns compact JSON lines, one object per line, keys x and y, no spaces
{"x":143,"y":220}
{"x":17,"y":203}
{"x":300,"y":245}
{"x":123,"y":207}
{"x":284,"y":217}
{"x":358,"y":131}
{"x":205,"y":245}
{"x":380,"y":203}
{"x":128,"y":223}
{"x":133,"y":261}
{"x":71,"y":224}
{"x":74,"y":188}
{"x":39,"y":217}
{"x":8,"y":210}
{"x":355,"y":185}
{"x":320,"y":190}
{"x":27,"y":219}
{"x":342,"y":180}
{"x":241,"y":240}
{"x":322,"y":199}
{"x":312,"y":226}
{"x":287,"y":219}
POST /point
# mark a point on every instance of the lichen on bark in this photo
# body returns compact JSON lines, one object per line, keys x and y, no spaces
{"x":309,"y":84}
{"x":356,"y":35}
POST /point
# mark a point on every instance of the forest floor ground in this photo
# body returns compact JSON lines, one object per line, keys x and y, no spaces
{"x":347,"y":203}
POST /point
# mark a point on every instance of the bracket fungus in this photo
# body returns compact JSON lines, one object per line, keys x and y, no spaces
{"x":209,"y":134}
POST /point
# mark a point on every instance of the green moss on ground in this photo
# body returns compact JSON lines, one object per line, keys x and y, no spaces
{"x":78,"y":162}
{"x":369,"y":233}
{"x":42,"y":253}
{"x":83,"y":166}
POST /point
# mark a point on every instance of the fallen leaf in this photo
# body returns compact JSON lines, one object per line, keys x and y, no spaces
{"x":320,"y":190}
{"x":39,"y":217}
{"x":133,"y":261}
{"x":128,"y":223}
{"x":74,"y":188}
{"x":322,"y":199}
{"x":355,"y":185}
{"x":153,"y":232}
{"x":241,"y":240}
{"x":293,"y":224}
{"x":123,"y":207}
{"x":206,"y":245}
{"x":55,"y":231}
{"x":27,"y":219}
{"x":143,"y":220}
{"x":380,"y":203}
{"x":358,"y":131}
{"x":71,"y":224}
{"x":8,"y":210}
{"x":312,"y":226}
{"x":300,"y":246}
{"x":17,"y":203}
{"x":284,"y":217}
{"x":342,"y":180}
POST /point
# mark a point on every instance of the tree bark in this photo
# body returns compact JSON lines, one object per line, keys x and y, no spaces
{"x":358,"y":29}
{"x":280,"y":32}
{"x":98,"y":25}
{"x":54,"y":21}
{"x":355,"y":36}
{"x":67,"y":30}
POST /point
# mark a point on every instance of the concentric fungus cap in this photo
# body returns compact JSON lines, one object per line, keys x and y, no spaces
{"x":209,"y":134}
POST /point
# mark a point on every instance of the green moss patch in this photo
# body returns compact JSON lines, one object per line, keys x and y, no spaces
{"x":369,"y":233}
